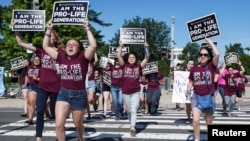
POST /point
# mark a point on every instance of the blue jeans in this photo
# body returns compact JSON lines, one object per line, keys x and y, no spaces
{"x":116,"y":93}
{"x":153,"y":100}
{"x":132,"y":103}
{"x":42,"y":97}
{"x":221,"y":91}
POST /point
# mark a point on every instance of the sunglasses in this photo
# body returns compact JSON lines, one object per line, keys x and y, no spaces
{"x":205,"y":55}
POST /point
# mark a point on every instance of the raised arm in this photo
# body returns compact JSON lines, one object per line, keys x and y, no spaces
{"x":92,"y":42}
{"x":119,"y":54}
{"x":147,"y":54}
{"x":215,"y":51}
{"x":242,"y":71}
{"x":20,"y":41}
{"x":96,"y":59}
{"x":46,"y":41}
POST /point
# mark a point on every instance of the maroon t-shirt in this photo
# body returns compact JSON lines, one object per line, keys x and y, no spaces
{"x":241,"y":82}
{"x":91,"y":71}
{"x":197,"y":75}
{"x":116,"y":75}
{"x":131,"y":78}
{"x":153,"y":80}
{"x":73,"y":72}
{"x":33,"y":71}
{"x":230,"y":88}
{"x":49,"y":81}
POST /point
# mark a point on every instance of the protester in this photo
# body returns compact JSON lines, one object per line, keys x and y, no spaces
{"x":131,"y":89}
{"x":49,"y":83}
{"x":91,"y":83}
{"x":33,"y":77}
{"x":231,"y":79}
{"x":241,"y":83}
{"x":116,"y":73}
{"x":22,"y":73}
{"x":73,"y":62}
{"x":106,"y":95}
{"x":189,"y":66}
{"x":201,"y":78}
{"x":98,"y":89}
{"x":222,"y":85}
{"x":153,"y":91}
{"x":143,"y":99}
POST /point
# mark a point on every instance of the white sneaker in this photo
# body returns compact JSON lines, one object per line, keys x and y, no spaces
{"x":132,"y":131}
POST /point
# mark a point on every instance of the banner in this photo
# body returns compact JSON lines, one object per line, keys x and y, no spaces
{"x":114,"y":50}
{"x":151,"y":67}
{"x":180,"y":87}
{"x":106,"y":76}
{"x":133,"y":35}
{"x":70,"y":12}
{"x":2,"y":87}
{"x":105,"y":60}
{"x":200,"y":28}
{"x":232,"y":57}
{"x":17,"y":63}
{"x":28,"y":20}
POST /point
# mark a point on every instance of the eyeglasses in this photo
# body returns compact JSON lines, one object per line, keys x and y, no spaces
{"x":205,"y":54}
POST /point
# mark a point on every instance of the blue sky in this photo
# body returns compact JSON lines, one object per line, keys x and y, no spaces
{"x":232,"y":17}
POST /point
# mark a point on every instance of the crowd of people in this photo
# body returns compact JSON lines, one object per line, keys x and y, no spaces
{"x":78,"y":83}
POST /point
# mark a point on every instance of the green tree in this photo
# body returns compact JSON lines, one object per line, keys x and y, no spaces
{"x":190,"y":51}
{"x":10,"y":49}
{"x":157,"y":34}
{"x":235,"y":48}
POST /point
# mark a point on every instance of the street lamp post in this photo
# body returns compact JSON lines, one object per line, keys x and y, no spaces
{"x":172,"y":42}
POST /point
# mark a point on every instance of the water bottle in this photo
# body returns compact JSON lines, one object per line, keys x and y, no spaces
{"x":57,"y":69}
{"x":147,"y":53}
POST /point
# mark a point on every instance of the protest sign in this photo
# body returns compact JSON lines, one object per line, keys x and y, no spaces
{"x":105,"y":60}
{"x":106,"y":76}
{"x":207,"y":45}
{"x":151,"y":67}
{"x":17,"y":63}
{"x":28,"y":20}
{"x":180,"y":87}
{"x":69,"y":12}
{"x":114,"y":50}
{"x":133,"y":35}
{"x":85,"y":43}
{"x":231,"y":58}
{"x":200,"y":28}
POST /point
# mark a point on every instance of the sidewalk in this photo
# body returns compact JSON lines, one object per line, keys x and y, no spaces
{"x":165,"y":101}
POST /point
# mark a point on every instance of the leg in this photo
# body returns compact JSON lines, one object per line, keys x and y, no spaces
{"x":196,"y":122}
{"x":25,"y":100}
{"x":105,"y":103}
{"x":78,"y":122}
{"x":32,"y":105}
{"x":62,"y":110}
{"x":42,"y":97}
{"x":52,"y":104}
{"x":114,"y":94}
{"x":135,"y":100}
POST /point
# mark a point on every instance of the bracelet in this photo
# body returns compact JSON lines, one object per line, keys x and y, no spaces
{"x":87,"y":30}
{"x":48,"y":35}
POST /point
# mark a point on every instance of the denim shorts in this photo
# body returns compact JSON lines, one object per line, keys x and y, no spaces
{"x":91,"y":86}
{"x":32,"y":87}
{"x":76,"y":98}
